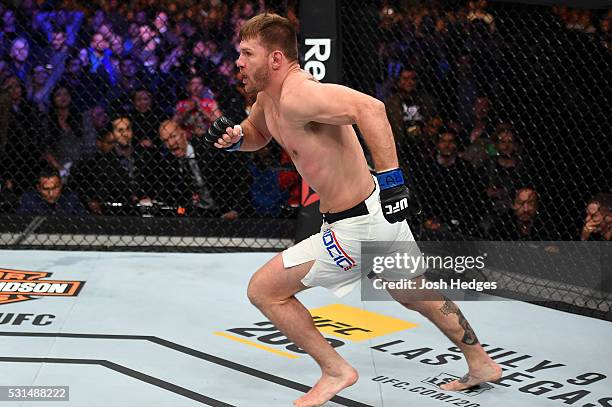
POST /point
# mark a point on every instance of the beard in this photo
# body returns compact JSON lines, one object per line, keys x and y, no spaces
{"x":258,"y":81}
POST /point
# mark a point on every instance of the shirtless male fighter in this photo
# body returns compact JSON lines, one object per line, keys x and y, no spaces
{"x":312,"y":122}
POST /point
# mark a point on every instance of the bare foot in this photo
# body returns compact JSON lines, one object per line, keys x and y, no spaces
{"x":326,"y":388}
{"x":486,"y":373}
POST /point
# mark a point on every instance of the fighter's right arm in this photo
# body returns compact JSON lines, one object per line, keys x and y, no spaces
{"x":251,"y":135}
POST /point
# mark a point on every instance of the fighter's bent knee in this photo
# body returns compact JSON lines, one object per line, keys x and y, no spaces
{"x":255,"y":290}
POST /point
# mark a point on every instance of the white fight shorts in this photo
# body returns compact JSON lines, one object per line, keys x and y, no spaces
{"x":336,"y":249}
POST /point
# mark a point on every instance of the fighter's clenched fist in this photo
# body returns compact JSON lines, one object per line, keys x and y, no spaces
{"x":223,"y":133}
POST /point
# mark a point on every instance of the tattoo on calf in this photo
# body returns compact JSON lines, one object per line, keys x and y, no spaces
{"x":469,"y":337}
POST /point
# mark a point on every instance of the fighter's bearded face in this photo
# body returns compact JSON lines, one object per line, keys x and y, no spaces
{"x":254,"y":65}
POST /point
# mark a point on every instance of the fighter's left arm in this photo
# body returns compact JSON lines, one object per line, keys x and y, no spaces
{"x":339,"y":105}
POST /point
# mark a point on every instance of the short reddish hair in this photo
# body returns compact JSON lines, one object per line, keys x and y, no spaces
{"x":274,"y":31}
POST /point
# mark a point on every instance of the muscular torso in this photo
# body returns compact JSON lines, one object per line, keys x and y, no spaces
{"x":328,"y":157}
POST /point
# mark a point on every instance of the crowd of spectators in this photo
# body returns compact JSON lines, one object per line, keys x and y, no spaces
{"x":112,"y":99}
{"x":102,"y":109}
{"x":479,"y":160}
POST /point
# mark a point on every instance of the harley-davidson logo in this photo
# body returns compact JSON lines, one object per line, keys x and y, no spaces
{"x":20,"y":285}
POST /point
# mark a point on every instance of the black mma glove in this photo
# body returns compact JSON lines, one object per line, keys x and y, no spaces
{"x":397,"y":202}
{"x":217,"y":130}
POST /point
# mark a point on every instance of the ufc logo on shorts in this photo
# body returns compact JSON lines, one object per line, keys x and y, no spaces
{"x":333,"y":248}
{"x":398,"y":206}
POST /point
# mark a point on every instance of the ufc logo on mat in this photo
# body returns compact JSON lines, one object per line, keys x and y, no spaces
{"x":398,"y":206}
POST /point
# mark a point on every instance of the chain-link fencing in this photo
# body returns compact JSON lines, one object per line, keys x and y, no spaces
{"x":104,"y":106}
{"x":500,"y":111}
{"x":501,"y":116}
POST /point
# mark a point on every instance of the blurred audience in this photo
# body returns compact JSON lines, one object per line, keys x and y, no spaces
{"x":506,"y":169}
{"x":50,"y":197}
{"x":102,"y":180}
{"x":598,"y":220}
{"x":450,"y":192}
{"x":275,"y":188}
{"x":65,"y":132}
{"x":184,"y":179}
{"x":409,"y":107}
{"x":199,"y":110}
{"x":24,"y":140}
{"x":85,"y":87}
{"x":146,"y":116}
{"x":524,"y":221}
